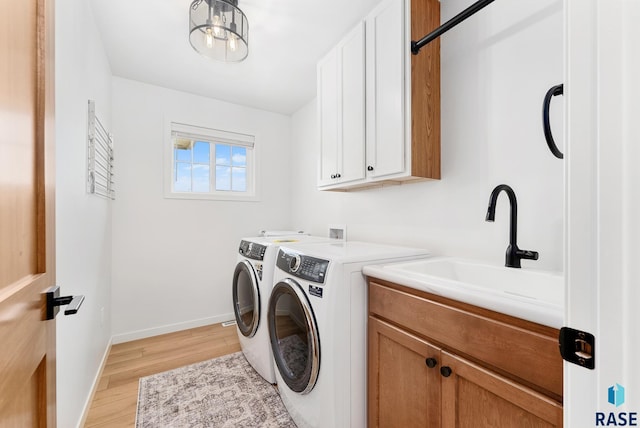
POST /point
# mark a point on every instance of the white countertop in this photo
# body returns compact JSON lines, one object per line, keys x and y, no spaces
{"x":525,"y":293}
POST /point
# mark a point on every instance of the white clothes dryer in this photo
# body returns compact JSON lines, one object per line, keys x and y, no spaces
{"x":317,"y":319}
{"x":251,"y":287}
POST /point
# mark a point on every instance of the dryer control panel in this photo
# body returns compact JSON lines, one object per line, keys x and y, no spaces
{"x":305,"y":267}
{"x":252,"y":250}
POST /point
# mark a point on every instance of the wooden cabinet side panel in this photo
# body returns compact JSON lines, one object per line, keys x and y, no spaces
{"x":528,"y":355}
{"x":425,"y":92}
{"x":474,"y":396}
{"x":402,"y":390}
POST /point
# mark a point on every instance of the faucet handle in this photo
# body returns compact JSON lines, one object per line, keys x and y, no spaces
{"x":527,"y":254}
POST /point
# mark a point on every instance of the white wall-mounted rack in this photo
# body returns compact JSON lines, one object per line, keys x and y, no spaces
{"x":99,"y":157}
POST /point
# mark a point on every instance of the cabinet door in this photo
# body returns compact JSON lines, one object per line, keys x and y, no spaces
{"x":473,"y":396}
{"x":386,"y":49}
{"x":402,"y":390}
{"x":328,"y":118}
{"x":352,"y":90}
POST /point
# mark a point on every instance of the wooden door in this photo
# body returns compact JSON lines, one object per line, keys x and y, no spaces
{"x":403,"y":391}
{"x":27,"y":235}
{"x":474,"y":397}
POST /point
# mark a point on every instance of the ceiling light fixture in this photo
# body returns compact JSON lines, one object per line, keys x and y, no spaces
{"x":218,"y":29}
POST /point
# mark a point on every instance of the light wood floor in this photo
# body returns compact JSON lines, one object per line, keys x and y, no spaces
{"x":114,"y":404}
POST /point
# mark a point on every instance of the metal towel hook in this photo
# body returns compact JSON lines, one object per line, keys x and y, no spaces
{"x":555,"y":90}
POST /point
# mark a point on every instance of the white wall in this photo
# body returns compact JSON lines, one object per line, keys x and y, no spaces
{"x":496,"y":69}
{"x":83,"y":222}
{"x":173,"y":259}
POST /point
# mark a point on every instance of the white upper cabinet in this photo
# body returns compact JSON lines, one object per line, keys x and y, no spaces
{"x":365,"y":101}
{"x":386,"y":51}
{"x":341,"y":111}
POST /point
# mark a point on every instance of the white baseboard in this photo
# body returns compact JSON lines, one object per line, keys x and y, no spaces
{"x":94,"y":388}
{"x":169,"y":328}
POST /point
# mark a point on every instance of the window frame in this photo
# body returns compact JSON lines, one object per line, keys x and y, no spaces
{"x":213,"y":137}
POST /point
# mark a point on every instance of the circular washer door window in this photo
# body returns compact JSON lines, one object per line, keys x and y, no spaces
{"x":246,"y":298}
{"x":295,"y":340}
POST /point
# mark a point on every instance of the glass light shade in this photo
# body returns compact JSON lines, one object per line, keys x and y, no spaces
{"x":218,"y":29}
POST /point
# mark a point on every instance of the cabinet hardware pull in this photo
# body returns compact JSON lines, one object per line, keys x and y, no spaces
{"x":431,"y":362}
{"x":333,"y":176}
{"x":338,"y":176}
{"x":369,"y":168}
{"x":446,"y":371}
{"x":546,"y":125}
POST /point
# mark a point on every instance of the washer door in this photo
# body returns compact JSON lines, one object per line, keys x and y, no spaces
{"x":246,"y":298}
{"x":295,"y":340}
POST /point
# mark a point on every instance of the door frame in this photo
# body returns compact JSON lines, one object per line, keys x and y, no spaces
{"x":602,"y":259}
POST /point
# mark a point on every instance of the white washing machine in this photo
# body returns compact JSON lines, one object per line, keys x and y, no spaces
{"x":318,"y":327}
{"x":252,"y":282}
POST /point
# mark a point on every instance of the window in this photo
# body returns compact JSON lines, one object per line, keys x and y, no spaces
{"x":210,"y":164}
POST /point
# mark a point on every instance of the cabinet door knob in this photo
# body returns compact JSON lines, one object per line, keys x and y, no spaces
{"x":333,"y":176}
{"x":431,"y":362}
{"x":338,"y":175}
{"x":446,"y":371}
{"x":369,"y":168}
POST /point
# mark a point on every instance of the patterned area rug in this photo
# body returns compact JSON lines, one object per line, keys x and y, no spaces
{"x":224,"y":392}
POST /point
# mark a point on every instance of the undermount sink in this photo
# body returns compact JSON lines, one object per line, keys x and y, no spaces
{"x":527,"y":293}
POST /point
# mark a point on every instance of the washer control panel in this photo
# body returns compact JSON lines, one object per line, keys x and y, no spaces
{"x":305,"y":267}
{"x":252,"y":250}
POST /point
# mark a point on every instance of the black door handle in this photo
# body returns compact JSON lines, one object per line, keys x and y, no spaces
{"x":54,"y":301}
{"x":546,"y":125}
{"x":446,"y":371}
{"x":431,"y":362}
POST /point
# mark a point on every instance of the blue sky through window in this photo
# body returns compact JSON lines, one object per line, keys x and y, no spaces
{"x":192,"y":167}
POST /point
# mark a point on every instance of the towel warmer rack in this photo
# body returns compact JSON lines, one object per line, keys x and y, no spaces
{"x":99,"y":157}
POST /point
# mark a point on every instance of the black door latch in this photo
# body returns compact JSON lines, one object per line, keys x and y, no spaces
{"x":578,"y":347}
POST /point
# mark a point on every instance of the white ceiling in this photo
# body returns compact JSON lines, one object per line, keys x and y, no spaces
{"x":147,"y":40}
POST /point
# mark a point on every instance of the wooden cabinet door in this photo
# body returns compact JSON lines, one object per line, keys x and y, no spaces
{"x":402,"y":391}
{"x":474,"y":397}
{"x":27,"y":229}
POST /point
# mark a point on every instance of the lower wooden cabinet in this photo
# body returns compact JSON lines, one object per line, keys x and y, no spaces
{"x":414,"y":381}
{"x":403,"y":390}
{"x":473,"y":396}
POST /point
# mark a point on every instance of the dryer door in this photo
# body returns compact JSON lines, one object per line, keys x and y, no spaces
{"x":295,"y":340}
{"x":246,"y":298}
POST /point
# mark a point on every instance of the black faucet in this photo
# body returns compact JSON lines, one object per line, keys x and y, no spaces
{"x":514,"y":254}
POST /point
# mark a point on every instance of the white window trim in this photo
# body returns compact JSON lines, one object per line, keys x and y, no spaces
{"x":246,"y":139}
